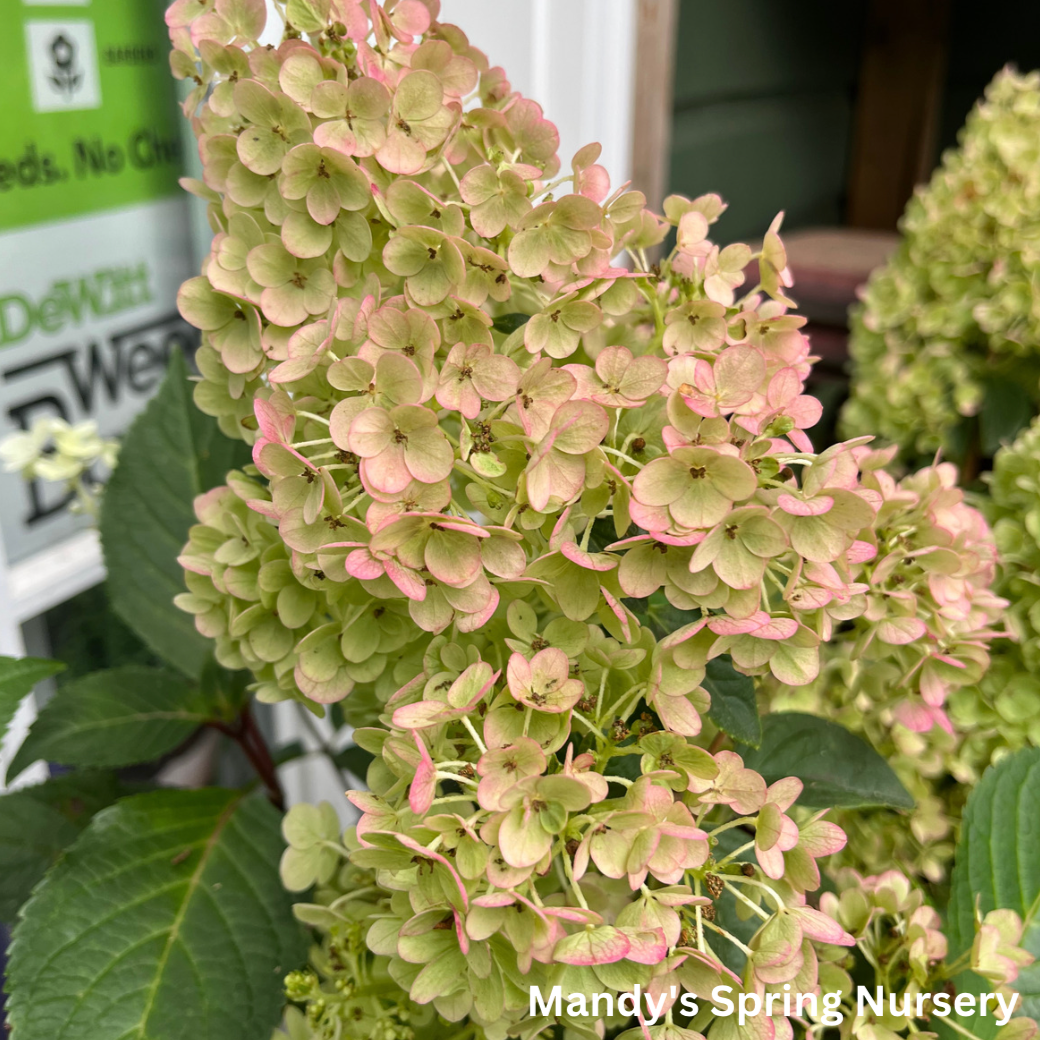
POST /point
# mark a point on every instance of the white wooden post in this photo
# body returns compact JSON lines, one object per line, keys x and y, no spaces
{"x":26,"y":591}
{"x":11,"y":645}
{"x":576,"y":58}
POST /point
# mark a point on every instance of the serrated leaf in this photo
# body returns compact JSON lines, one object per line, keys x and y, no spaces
{"x":117,"y":717}
{"x":734,"y":707}
{"x":38,"y":823}
{"x":164,"y":921}
{"x":32,"y":837}
{"x":18,"y":675}
{"x":170,"y":454}
{"x":837,"y":767}
{"x":998,"y":862}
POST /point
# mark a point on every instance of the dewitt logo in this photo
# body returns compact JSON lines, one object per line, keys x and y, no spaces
{"x":62,"y":65}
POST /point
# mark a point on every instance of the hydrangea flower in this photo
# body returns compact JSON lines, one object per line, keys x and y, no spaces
{"x":945,"y":329}
{"x":478,"y":444}
{"x":54,"y":450}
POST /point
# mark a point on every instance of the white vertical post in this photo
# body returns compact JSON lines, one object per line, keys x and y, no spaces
{"x":576,"y":58}
{"x":27,"y":589}
{"x":12,"y":645}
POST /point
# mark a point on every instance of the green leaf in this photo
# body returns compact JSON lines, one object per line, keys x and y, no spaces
{"x":1007,"y":407}
{"x":18,"y":675}
{"x":627,"y":765}
{"x":734,"y":708}
{"x":998,"y":862}
{"x":38,"y":823}
{"x":164,"y":921}
{"x":509,"y":323}
{"x":837,"y":767}
{"x":114,"y":718}
{"x":171,"y":453}
{"x":355,"y":760}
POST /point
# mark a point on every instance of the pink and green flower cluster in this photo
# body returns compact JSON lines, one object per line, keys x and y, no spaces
{"x":944,"y":344}
{"x":480,"y":445}
{"x":600,"y":865}
{"x":385,"y":213}
{"x":933,"y":616}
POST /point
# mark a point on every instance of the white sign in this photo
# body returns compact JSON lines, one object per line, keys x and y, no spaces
{"x":87,"y":323}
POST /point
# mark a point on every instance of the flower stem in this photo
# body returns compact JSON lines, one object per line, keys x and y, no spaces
{"x":747,"y":902}
{"x":594,"y":730}
{"x":957,"y":1028}
{"x":741,"y":880}
{"x":473,"y":733}
{"x":621,"y":455}
{"x":246,"y":734}
{"x":736,"y":852}
{"x":575,"y":887}
{"x":732,"y":938}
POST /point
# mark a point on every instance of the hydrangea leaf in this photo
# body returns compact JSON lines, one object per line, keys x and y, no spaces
{"x":171,"y":453}
{"x":169,"y":915}
{"x":509,"y":323}
{"x":733,"y":706}
{"x":114,"y":718}
{"x":38,"y":823}
{"x":996,"y":865}
{"x":837,"y":767}
{"x":18,"y":675}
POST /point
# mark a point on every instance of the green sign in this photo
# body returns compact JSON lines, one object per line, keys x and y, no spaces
{"x":89,"y":114}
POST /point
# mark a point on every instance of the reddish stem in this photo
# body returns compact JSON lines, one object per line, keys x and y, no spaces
{"x":246,"y":733}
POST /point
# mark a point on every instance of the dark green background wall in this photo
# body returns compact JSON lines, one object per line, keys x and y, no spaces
{"x":765,"y":93}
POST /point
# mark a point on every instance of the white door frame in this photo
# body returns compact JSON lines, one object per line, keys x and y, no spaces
{"x":27,"y":589}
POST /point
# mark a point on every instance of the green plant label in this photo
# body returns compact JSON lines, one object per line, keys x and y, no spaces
{"x":90,"y":119}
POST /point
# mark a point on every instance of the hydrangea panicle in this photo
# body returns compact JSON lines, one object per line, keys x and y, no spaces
{"x":944,"y":343}
{"x":479,"y":446}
